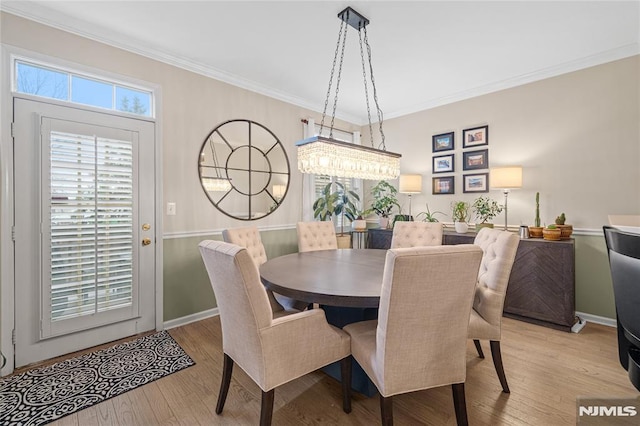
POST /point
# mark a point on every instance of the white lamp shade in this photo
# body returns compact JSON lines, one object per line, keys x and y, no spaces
{"x":410,"y":184}
{"x":506,"y":177}
{"x":278,"y":191}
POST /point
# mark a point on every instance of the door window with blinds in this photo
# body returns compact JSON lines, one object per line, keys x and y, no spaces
{"x":88,"y":221}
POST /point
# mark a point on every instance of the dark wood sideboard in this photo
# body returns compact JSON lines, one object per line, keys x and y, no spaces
{"x":542,"y":283}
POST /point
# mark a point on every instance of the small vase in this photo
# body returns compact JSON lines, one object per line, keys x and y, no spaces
{"x":461,"y":227}
{"x":359,"y":225}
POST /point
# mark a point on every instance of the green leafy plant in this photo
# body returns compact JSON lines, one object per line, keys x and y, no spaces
{"x":325,"y":205}
{"x":427,"y":216}
{"x":552,"y":226}
{"x":384,"y":199}
{"x":460,"y":211}
{"x":339,"y":202}
{"x":486,"y":208}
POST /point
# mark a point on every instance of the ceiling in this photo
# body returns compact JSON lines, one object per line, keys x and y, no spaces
{"x":425,"y":53}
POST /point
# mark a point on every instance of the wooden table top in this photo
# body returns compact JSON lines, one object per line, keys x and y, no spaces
{"x":343,"y":277}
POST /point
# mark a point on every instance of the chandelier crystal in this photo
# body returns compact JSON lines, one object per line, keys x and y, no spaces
{"x":216,"y":184}
{"x":328,"y":156}
{"x":325,"y":156}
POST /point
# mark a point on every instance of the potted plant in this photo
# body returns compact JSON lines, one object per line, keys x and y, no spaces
{"x":551,"y":233}
{"x":384,"y":200}
{"x":485,"y":209}
{"x":337,"y":203}
{"x":460,"y":216}
{"x":427,"y":216}
{"x":325,"y":205}
{"x":536,"y":231}
{"x":346,"y":205}
{"x":565,"y":230}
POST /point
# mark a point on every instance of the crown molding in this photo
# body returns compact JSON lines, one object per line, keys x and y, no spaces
{"x":51,"y":18}
{"x":567,"y":67}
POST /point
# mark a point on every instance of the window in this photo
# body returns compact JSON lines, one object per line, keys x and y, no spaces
{"x":320,"y":181}
{"x":49,"y":82}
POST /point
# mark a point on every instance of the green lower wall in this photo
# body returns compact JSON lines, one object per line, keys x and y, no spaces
{"x":187,"y":289}
{"x":186,"y":285}
{"x":594,"y":290}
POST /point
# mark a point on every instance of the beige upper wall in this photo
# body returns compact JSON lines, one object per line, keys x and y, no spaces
{"x":577,"y":137}
{"x":192,"y":105}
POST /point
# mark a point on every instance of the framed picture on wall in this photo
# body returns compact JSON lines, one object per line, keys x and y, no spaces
{"x":442,"y":142}
{"x":443,"y":163}
{"x":475,"y":136}
{"x":476,"y":183}
{"x":472,"y":160}
{"x":443,"y":185}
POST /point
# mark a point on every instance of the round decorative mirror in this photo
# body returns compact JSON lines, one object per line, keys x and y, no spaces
{"x":244,"y":169}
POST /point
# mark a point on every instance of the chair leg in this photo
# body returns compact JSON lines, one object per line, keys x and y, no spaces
{"x":227,"y":369}
{"x":460,"y":404}
{"x":386,"y":410}
{"x":478,"y":348}
{"x":345,"y":376}
{"x":266,"y":410}
{"x":497,"y":361}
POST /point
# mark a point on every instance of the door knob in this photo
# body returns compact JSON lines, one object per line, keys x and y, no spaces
{"x":146,"y":227}
{"x":146,"y":241}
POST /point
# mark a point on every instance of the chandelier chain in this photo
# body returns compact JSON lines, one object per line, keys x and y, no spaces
{"x":335,"y":98}
{"x":214,"y":158}
{"x":366,"y":88}
{"x":375,"y":92}
{"x":333,"y":68}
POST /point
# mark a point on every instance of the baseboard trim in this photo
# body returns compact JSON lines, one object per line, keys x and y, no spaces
{"x":610,"y":322}
{"x":188,"y":319}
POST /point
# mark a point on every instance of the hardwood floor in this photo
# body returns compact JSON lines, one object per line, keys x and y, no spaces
{"x":546,"y":370}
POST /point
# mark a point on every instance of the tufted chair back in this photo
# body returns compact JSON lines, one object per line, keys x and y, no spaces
{"x":499,"y":252}
{"x":272,"y":351}
{"x":416,"y":234}
{"x":499,"y":249}
{"x":314,"y":236}
{"x":249,"y":238}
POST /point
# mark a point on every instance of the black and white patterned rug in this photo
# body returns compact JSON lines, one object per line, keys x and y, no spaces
{"x":45,"y":394}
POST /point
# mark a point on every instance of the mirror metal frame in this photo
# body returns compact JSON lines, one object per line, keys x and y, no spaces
{"x":277,"y":144}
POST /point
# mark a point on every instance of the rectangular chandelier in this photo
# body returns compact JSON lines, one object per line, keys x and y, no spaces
{"x":216,"y":184}
{"x":326,"y":156}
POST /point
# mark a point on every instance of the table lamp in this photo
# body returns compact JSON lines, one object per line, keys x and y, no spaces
{"x":278,"y":191}
{"x":505,"y":178}
{"x":410,"y":184}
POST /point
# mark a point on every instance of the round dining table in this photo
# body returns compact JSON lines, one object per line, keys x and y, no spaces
{"x":342,"y":277}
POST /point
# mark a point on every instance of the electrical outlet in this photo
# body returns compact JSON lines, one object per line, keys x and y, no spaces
{"x":171,"y":209}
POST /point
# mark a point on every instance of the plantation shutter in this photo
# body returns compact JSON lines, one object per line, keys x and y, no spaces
{"x":89,"y":203}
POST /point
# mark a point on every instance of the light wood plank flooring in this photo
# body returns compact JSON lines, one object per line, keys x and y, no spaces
{"x":546,"y":370}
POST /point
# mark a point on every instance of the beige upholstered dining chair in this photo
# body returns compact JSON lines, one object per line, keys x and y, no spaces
{"x":416,"y":234}
{"x":499,"y":248}
{"x":249,"y":238}
{"x":313,"y":236}
{"x":419,"y":339}
{"x":271,"y":351}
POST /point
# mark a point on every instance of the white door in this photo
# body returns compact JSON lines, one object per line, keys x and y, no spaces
{"x":84,"y":226}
